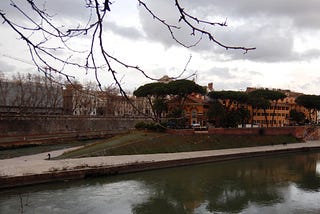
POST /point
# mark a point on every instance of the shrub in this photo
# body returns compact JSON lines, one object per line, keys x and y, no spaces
{"x":150,"y":126}
{"x":140,"y":125}
{"x":262,"y":131}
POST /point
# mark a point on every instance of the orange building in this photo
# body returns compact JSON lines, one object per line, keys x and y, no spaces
{"x":278,"y":114}
{"x":194,"y":109}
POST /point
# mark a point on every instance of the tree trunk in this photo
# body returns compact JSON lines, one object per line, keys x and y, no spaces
{"x":273,"y":113}
{"x":266,"y":117}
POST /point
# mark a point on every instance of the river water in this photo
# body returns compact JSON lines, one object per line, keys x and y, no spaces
{"x":280,"y":184}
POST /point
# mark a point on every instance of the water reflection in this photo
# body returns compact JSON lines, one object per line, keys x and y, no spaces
{"x":284,"y":184}
{"x":235,"y":186}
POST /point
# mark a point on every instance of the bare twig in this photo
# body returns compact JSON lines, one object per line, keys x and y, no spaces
{"x":184,"y":17}
{"x":41,"y":32}
{"x":185,"y":69}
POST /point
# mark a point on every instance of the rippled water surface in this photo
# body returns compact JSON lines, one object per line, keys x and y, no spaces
{"x":282,"y":184}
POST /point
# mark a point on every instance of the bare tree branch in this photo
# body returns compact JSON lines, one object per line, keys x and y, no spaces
{"x":41,"y":33}
{"x":184,"y":70}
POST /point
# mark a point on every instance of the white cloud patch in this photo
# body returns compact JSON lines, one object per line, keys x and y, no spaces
{"x":219,"y":72}
{"x":5,"y":67}
{"x":229,"y":78}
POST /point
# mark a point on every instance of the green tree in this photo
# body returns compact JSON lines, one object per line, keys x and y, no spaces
{"x":181,"y":89}
{"x":297,"y":116}
{"x":176,"y":119}
{"x":258,"y":103}
{"x":225,"y":115}
{"x":244,"y":115}
{"x":160,"y":106}
{"x":156,"y":94}
{"x":235,"y":97}
{"x":216,"y":113}
{"x":275,"y":96}
{"x":310,"y":102}
{"x":269,"y":96}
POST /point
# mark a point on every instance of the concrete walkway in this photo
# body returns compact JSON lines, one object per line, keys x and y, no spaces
{"x":37,"y":164}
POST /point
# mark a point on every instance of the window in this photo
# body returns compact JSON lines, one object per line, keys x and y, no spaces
{"x":194,"y":113}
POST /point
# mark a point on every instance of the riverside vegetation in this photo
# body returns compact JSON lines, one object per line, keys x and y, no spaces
{"x":147,"y":142}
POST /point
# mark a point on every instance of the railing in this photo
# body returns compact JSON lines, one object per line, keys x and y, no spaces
{"x":29,"y":116}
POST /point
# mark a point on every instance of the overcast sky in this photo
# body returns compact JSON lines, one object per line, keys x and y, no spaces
{"x":285,"y":33}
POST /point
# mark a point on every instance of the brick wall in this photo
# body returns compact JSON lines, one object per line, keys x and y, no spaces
{"x":296,"y":131}
{"x":11,"y":126}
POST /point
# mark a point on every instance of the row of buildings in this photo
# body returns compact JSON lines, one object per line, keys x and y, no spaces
{"x":18,"y":98}
{"x":47,"y":98}
{"x":102,"y":103}
{"x":277,"y":115}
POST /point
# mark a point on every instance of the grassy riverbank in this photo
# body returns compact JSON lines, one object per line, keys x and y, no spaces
{"x":152,"y":142}
{"x":40,"y":148}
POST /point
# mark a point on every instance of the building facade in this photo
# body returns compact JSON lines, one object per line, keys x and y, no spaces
{"x":278,"y":114}
{"x":78,"y":101}
{"x":103,"y":104}
{"x":194,"y":108}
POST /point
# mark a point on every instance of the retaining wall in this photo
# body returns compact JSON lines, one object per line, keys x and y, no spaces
{"x":296,"y":131}
{"x":12,"y":126}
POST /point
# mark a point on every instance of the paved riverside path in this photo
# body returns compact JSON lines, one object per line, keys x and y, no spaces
{"x":37,"y":164}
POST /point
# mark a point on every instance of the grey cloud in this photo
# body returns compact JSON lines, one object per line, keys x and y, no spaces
{"x":270,"y":26}
{"x":273,"y":43}
{"x":224,"y":78}
{"x":74,"y":12}
{"x":69,"y":8}
{"x":302,"y":13}
{"x":153,"y":29}
{"x":128,"y":32}
{"x":310,"y":54}
{"x":156,"y":31}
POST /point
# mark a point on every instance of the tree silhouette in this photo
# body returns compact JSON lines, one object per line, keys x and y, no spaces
{"x":265,"y":97}
{"x":297,"y":116}
{"x":156,"y":95}
{"x":310,"y":102}
{"x":231,"y":110}
{"x":181,"y":89}
{"x":45,"y":36}
{"x":258,"y":103}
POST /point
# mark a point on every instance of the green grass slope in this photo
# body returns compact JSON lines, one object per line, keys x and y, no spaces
{"x":152,"y":142}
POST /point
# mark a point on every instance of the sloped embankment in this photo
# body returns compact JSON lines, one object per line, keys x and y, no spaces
{"x":152,"y":142}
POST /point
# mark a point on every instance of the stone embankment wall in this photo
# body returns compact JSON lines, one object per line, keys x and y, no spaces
{"x":301,"y":132}
{"x":42,"y":125}
{"x":12,"y":126}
